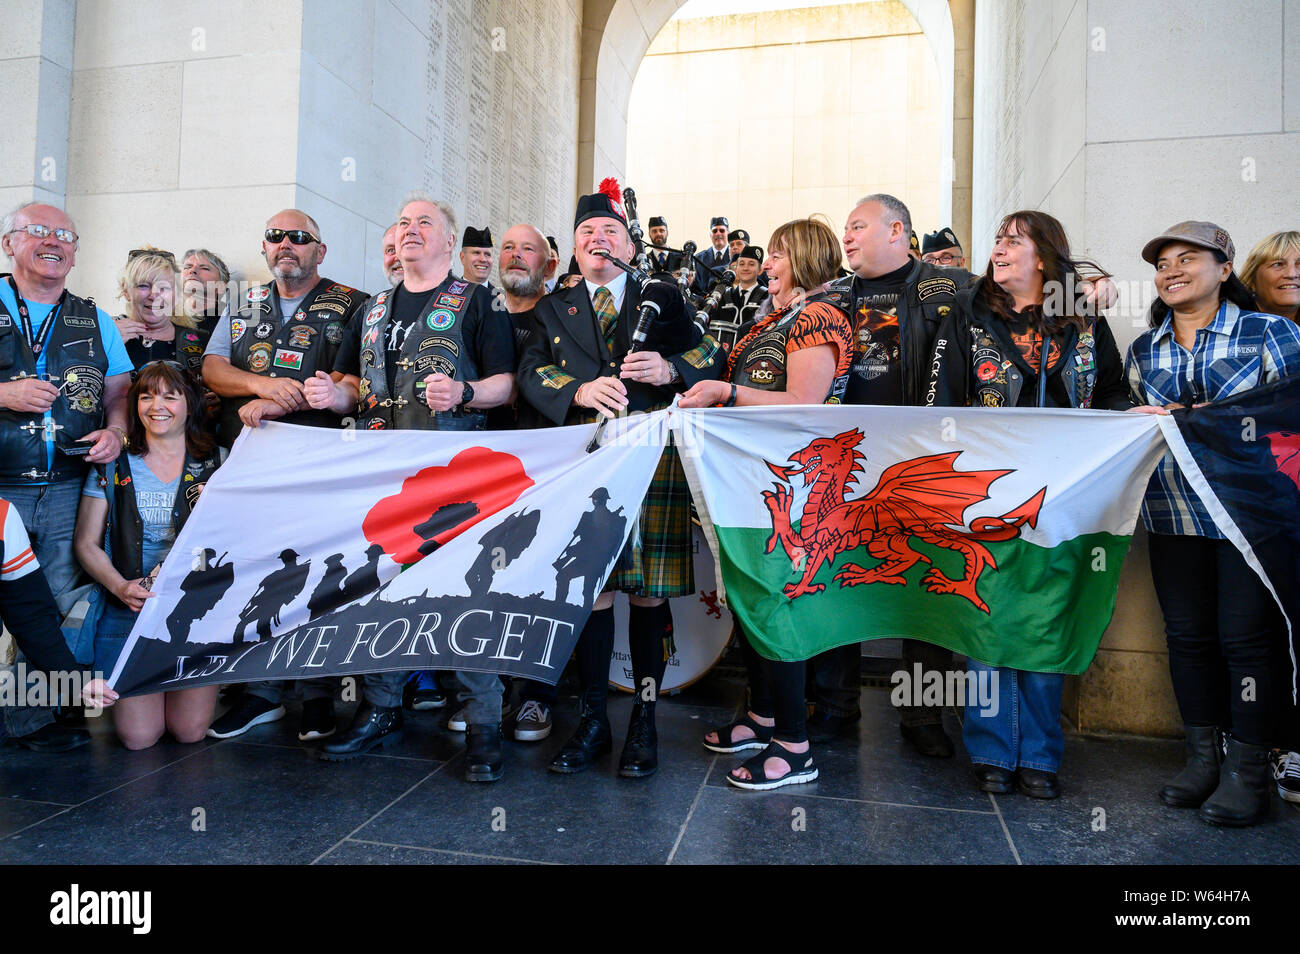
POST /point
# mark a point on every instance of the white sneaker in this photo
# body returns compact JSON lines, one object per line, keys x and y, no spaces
{"x":1287,"y":772}
{"x":457,"y":722}
{"x":533,"y":723}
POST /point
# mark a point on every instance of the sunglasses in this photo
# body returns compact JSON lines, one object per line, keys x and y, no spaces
{"x":141,"y":252}
{"x":66,"y":236}
{"x":296,"y":236}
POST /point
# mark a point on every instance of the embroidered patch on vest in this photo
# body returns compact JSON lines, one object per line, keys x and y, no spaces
{"x":935,"y":286}
{"x":258,"y":294}
{"x":457,"y":287}
{"x":288,"y":359}
{"x":259,"y":357}
{"x":451,"y":301}
{"x":440,"y":319}
{"x":237,"y":328}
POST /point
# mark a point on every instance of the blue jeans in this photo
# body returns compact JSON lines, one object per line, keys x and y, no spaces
{"x":1024,"y":730}
{"x":49,"y":513}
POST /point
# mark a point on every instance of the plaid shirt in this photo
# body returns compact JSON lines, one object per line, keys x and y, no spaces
{"x":1238,"y":350}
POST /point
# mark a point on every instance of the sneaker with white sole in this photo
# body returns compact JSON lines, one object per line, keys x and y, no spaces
{"x":249,"y":711}
{"x":1286,"y":771}
{"x":317,"y":720}
{"x":457,"y":722}
{"x":533,"y":723}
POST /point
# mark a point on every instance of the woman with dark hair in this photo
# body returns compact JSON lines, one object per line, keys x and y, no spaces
{"x":129,"y":517}
{"x":811,"y":329}
{"x":1206,"y":343}
{"x":1025,"y":335}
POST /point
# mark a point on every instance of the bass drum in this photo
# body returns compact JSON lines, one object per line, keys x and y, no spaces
{"x":701,"y":629}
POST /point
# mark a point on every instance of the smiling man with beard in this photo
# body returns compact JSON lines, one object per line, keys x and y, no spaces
{"x":258,"y":359}
{"x":281,"y":334}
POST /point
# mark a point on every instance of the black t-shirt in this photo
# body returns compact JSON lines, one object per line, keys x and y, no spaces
{"x":486,"y":331}
{"x":876,"y":376}
{"x":521,"y":414}
{"x":188,"y":343}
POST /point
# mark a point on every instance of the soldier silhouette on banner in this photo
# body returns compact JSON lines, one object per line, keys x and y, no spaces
{"x":280,"y":588}
{"x":203,"y":588}
{"x":447,"y":517}
{"x":328,"y":593}
{"x":507,"y":540}
{"x":364,"y":580}
{"x":599,"y":530}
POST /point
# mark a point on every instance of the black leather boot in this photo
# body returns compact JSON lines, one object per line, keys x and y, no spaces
{"x":1242,"y":796}
{"x":1200,"y":777}
{"x":372,"y":727}
{"x":592,"y":738}
{"x":483,"y":759}
{"x":640,"y":756}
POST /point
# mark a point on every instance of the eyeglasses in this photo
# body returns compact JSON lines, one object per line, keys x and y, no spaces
{"x":66,"y":236}
{"x":161,"y":253}
{"x":943,"y":258}
{"x":296,"y":236}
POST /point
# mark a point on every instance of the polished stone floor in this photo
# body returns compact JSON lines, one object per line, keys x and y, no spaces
{"x":264,"y":798}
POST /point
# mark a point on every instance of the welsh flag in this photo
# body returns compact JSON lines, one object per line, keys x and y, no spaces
{"x":998,"y":534}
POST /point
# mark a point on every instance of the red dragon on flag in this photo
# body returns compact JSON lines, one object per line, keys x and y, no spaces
{"x":925,"y":498}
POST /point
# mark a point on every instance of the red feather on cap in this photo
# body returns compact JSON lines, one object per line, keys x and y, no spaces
{"x":611,"y":188}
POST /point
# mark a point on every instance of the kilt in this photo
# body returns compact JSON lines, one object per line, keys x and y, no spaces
{"x":660,"y":563}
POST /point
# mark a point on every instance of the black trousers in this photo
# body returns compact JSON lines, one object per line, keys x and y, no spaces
{"x":776,"y":690}
{"x":1226,"y":638}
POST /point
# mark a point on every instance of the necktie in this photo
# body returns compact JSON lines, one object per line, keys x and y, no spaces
{"x":603,"y":302}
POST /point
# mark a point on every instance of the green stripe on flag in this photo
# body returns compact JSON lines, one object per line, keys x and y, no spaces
{"x":1048,"y":606}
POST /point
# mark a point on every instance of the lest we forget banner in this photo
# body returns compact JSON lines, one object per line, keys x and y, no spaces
{"x":316,"y":552}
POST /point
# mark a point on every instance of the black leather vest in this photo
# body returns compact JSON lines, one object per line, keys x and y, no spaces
{"x":125,"y":528}
{"x":261,"y":344}
{"x":435,"y":343}
{"x":731,"y":316}
{"x":75,"y":363}
{"x":760,"y":362}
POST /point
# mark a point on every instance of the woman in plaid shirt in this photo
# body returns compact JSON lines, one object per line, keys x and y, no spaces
{"x":1207,"y":342}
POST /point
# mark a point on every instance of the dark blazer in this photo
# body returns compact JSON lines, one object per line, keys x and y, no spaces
{"x":566,"y":349}
{"x":664,"y":261}
{"x":703,"y":277}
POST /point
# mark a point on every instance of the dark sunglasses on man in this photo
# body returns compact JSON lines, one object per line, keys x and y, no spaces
{"x":296,"y":236}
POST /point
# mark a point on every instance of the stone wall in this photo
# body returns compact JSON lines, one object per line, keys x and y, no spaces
{"x":189,"y":123}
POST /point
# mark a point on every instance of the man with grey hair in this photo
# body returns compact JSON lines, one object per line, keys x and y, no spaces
{"x":392,"y":264}
{"x":64,"y":376}
{"x":433,"y":354}
{"x":258,"y":359}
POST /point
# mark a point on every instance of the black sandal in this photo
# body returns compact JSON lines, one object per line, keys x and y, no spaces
{"x":801,"y":769}
{"x":727,"y":745}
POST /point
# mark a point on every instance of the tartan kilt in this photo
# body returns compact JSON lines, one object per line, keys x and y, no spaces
{"x":660,"y":563}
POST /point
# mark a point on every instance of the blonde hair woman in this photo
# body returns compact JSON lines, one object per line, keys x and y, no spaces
{"x":1272,"y":272}
{"x":154,"y":326}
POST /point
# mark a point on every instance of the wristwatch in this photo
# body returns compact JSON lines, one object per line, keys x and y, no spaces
{"x":466,"y":395}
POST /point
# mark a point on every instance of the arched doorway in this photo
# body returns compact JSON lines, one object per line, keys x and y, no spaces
{"x":617,"y":33}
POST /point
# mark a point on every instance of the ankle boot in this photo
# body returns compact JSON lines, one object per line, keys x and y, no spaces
{"x":1200,"y":777}
{"x":1242,"y":796}
{"x":641,"y":748}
